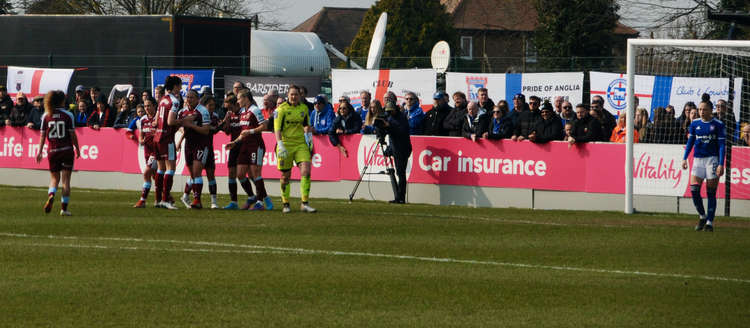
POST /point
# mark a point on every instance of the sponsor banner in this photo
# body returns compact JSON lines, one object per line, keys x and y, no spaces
{"x":657,"y":91}
{"x":195,"y":79}
{"x":259,"y":86}
{"x":349,"y":83}
{"x":34,"y":81}
{"x":503,"y":86}
{"x":593,"y":167}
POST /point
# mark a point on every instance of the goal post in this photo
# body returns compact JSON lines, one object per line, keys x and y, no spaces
{"x":688,"y":59}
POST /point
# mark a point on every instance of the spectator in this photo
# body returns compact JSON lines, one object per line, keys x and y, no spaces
{"x":145,"y":95}
{"x":671,"y":112}
{"x":414,"y":113}
{"x":686,"y":113}
{"x":559,"y":100}
{"x":586,"y":128}
{"x":280,"y":101}
{"x":390,"y":97}
{"x":133,"y":101}
{"x":236,"y":87}
{"x":455,"y":119}
{"x":35,"y":115}
{"x":82,"y":95}
{"x":140,"y":110}
{"x":124,"y":114}
{"x":95,"y":94}
{"x":81,"y":115}
{"x":692,"y":115}
{"x":375,"y":109}
{"x":500,"y":126}
{"x":158,"y":93}
{"x":745,"y":135}
{"x":474,"y":123}
{"x":269,"y":106}
{"x":322,"y":117}
{"x":101,"y":116}
{"x":526,"y":120}
{"x":6,"y":105}
{"x":568,"y":132}
{"x":347,"y":122}
{"x":432,"y":125}
{"x":519,"y":106}
{"x":726,"y":115}
{"x":567,"y":114}
{"x":664,"y":130}
{"x":364,"y":107}
{"x":619,"y":133}
{"x":303,"y":98}
{"x":642,"y":124}
{"x":548,"y":128}
{"x":484,"y":102}
{"x":605,"y":118}
{"x":20,"y":112}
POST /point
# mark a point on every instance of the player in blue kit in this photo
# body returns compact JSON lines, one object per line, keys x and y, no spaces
{"x":707,"y":136}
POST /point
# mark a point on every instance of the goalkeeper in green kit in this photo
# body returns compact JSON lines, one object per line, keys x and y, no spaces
{"x":293,"y":145}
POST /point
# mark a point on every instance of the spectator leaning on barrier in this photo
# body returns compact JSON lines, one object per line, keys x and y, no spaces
{"x":6,"y":105}
{"x":432,"y":125}
{"x":484,"y":102}
{"x":376,"y":109}
{"x":519,"y":106}
{"x":585,"y":128}
{"x":548,"y":128}
{"x":500,"y":125}
{"x":474,"y":122}
{"x":124,"y":115}
{"x":642,"y":124}
{"x":684,"y":117}
{"x":81,"y":116}
{"x":526,"y":120}
{"x":362,"y":109}
{"x":605,"y":118}
{"x":347,"y":122}
{"x":619,"y":133}
{"x":455,"y":119}
{"x":303,"y":98}
{"x":159,"y":93}
{"x":20,"y":112}
{"x":322,"y":117}
{"x":745,"y":135}
{"x":34,"y":120}
{"x":685,"y":127}
{"x":82,"y":95}
{"x":414,"y":113}
{"x":663,"y":130}
{"x":559,"y":100}
{"x":567,"y":114}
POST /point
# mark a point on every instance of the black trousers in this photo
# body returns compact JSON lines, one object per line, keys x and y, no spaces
{"x":401,"y":159}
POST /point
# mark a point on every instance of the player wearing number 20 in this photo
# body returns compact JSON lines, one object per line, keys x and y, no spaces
{"x":62,"y":146}
{"x":706,"y":135}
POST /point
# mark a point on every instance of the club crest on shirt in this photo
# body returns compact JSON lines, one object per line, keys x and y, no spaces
{"x":712,"y":128}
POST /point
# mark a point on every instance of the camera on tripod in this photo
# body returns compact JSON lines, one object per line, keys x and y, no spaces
{"x":380,"y":131}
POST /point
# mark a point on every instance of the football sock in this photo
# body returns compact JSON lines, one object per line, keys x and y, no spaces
{"x":51,"y":191}
{"x":260,"y":187}
{"x":285,"y":193}
{"x":146,"y":189}
{"x":711,"y":205}
{"x":159,"y":185}
{"x":695,"y":190}
{"x":188,"y":186}
{"x":168,"y":180}
{"x":233,"y":189}
{"x":212,"y":187}
{"x":304,"y":188}
{"x":245,"y":183}
{"x":197,"y":187}
{"x":64,"y":203}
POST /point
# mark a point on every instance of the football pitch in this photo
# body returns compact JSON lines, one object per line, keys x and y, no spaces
{"x":363,"y":264}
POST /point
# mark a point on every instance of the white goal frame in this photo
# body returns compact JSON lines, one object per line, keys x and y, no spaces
{"x":633,"y":45}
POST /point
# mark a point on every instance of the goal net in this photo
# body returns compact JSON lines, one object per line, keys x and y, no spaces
{"x":666,"y":80}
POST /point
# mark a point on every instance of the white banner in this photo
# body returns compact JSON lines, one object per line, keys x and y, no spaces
{"x":34,"y":81}
{"x":546,"y":86}
{"x":657,"y":170}
{"x":350,"y":82}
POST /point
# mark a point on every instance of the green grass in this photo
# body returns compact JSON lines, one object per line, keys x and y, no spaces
{"x":364,"y":264}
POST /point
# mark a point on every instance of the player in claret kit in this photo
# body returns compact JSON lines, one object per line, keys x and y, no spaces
{"x":196,"y":124}
{"x":146,"y":140}
{"x":231,"y":126}
{"x":251,"y":151}
{"x":208,"y":102}
{"x":707,"y":136}
{"x":58,"y":130}
{"x":167,"y":124}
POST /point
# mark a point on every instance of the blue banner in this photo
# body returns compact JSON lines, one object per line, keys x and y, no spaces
{"x":195,"y":79}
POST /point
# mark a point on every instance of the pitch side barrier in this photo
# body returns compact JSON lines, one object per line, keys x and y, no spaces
{"x":555,"y":166}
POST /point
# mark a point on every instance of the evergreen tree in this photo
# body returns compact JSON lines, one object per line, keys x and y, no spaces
{"x":413,"y":28}
{"x":6,"y":7}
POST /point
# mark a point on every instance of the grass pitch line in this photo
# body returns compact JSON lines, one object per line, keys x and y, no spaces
{"x":287,"y":250}
{"x":179,"y":250}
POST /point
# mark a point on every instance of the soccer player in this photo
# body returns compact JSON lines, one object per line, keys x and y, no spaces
{"x":196,"y":124}
{"x":146,"y":139}
{"x":252,"y":149}
{"x":167,"y":124}
{"x":62,"y":145}
{"x":293,"y":144}
{"x":706,"y":135}
{"x":210,"y":166}
{"x":232,"y":127}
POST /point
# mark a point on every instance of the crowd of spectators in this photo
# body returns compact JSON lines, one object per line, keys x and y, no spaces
{"x":534,"y":120}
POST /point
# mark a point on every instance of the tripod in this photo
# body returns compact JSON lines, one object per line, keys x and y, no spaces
{"x":390,"y":169}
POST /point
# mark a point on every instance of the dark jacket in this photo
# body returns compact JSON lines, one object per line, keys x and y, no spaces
{"x":474,"y":125}
{"x":486,"y":107}
{"x":81,"y":118}
{"x":548,"y":130}
{"x":398,"y":130}
{"x":454,"y":121}
{"x":350,"y":124}
{"x":526,"y":122}
{"x":35,"y":117}
{"x":587,"y":130}
{"x":609,"y":122}
{"x":6,"y":106}
{"x":123,"y":119}
{"x":499,"y":129}
{"x":666,"y":132}
{"x":19,"y":114}
{"x":432,"y":124}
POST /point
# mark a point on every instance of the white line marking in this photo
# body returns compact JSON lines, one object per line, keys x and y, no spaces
{"x":189,"y":250}
{"x":380,"y":255}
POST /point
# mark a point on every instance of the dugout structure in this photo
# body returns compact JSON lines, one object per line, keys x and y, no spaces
{"x":707,"y":59}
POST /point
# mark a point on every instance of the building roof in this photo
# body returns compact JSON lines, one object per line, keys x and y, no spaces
{"x":337,"y":26}
{"x":501,"y":15}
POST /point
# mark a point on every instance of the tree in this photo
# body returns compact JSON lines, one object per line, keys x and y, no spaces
{"x":413,"y":28}
{"x":574,"y":28}
{"x":205,"y":8}
{"x":6,"y":7}
{"x":683,"y":18}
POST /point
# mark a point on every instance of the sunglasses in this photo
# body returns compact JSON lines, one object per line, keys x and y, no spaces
{"x":409,"y":98}
{"x":568,"y":107}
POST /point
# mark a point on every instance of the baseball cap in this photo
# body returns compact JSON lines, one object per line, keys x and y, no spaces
{"x":319,"y":100}
{"x":438,"y":95}
{"x":519,"y":96}
{"x":80,"y":88}
{"x":546,"y":106}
